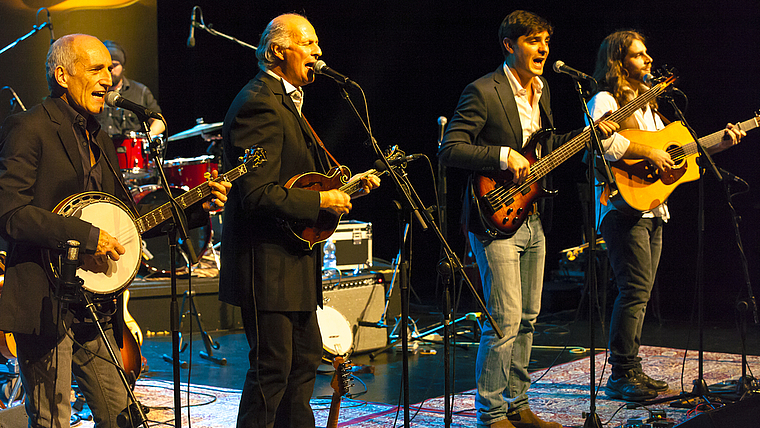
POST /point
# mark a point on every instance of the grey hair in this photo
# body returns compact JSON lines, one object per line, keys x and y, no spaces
{"x":60,"y":54}
{"x":277,"y":33}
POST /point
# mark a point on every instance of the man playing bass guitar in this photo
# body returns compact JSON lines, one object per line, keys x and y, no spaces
{"x":492,"y":123}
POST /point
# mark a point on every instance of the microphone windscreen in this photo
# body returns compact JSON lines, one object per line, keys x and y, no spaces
{"x":111,"y":98}
{"x":558,"y":65}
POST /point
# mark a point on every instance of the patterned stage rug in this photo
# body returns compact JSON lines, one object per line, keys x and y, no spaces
{"x":562,"y":395}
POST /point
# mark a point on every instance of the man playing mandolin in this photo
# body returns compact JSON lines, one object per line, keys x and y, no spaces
{"x":274,"y":277}
{"x":51,"y":152}
{"x":634,"y":242}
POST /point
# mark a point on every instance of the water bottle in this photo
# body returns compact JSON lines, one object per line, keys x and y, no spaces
{"x":328,"y":261}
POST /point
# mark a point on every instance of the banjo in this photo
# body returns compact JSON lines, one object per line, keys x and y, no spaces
{"x":112,"y":215}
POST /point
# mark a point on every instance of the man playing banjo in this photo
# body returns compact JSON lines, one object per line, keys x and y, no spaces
{"x":47,"y":154}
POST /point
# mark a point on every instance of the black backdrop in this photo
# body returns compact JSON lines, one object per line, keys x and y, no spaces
{"x":413,"y":58}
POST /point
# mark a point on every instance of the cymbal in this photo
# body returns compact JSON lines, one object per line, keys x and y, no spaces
{"x":199,"y":129}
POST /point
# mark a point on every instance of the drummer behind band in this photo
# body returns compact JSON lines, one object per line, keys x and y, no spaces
{"x":116,"y":121}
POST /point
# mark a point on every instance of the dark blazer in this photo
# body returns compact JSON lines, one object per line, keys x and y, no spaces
{"x":487,"y":118}
{"x":261,"y":264}
{"x":40,"y":165}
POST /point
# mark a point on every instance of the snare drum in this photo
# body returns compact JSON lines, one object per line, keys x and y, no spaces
{"x":155,"y":253}
{"x":132,"y":152}
{"x":337,"y":338}
{"x":189,"y":172}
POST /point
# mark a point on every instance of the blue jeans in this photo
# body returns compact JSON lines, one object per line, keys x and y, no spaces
{"x":46,"y":371}
{"x":512,"y":274}
{"x":634,"y":245}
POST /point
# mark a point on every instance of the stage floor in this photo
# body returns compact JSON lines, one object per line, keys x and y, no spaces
{"x":426,"y":372}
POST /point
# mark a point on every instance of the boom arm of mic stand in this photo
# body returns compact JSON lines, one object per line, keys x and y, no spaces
{"x":213,"y":32}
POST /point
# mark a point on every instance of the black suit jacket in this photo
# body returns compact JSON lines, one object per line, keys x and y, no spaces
{"x":261,"y":264}
{"x":40,"y":165}
{"x":487,"y":118}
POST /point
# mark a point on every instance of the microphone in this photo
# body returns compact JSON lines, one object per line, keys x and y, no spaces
{"x":730,"y":175}
{"x":380,"y":166}
{"x":191,"y":38}
{"x":70,"y":263}
{"x":441,"y":128}
{"x":321,"y":68}
{"x":561,"y":68}
{"x":114,"y":99}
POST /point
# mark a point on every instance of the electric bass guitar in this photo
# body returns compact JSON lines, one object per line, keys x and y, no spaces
{"x":504,"y":206}
{"x":641,"y":186}
{"x":110,"y":214}
{"x":340,"y":384}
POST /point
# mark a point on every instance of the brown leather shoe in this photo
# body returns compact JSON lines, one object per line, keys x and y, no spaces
{"x":527,"y":419}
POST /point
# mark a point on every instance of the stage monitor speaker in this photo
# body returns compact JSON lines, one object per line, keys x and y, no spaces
{"x":14,"y":417}
{"x":359,"y":298}
{"x":743,"y":414}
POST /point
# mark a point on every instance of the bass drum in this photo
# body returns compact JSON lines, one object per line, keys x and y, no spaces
{"x":156,"y":258}
{"x":337,"y":338}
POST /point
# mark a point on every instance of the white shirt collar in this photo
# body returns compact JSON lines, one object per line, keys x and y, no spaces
{"x":538,"y":84}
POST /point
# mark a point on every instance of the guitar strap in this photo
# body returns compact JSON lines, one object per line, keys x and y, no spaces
{"x":319,"y":141}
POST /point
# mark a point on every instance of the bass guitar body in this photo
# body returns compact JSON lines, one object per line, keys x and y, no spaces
{"x":503,"y":204}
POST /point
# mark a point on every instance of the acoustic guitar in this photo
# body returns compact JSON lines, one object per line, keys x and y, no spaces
{"x":504,"y":205}
{"x":340,"y":384}
{"x":641,"y":186}
{"x":131,"y":355}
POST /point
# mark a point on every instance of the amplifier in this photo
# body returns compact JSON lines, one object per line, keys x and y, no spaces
{"x":359,"y":298}
{"x":353,"y":245}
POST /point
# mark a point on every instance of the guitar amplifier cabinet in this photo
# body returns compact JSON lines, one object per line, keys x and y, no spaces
{"x":353,"y":245}
{"x":359,"y":298}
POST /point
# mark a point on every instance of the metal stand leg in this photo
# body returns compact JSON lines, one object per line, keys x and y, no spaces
{"x":208,"y":341}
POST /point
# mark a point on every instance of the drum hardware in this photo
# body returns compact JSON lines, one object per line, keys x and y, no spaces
{"x":208,"y":341}
{"x":132,"y":152}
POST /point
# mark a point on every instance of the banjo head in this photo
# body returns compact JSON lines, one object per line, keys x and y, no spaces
{"x":110,"y":214}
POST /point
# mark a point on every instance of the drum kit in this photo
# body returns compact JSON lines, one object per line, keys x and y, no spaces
{"x":182,"y":174}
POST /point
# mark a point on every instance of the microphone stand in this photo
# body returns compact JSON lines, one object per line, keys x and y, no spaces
{"x":35,"y":29}
{"x":68,"y":285}
{"x":595,"y":152}
{"x":176,"y":229}
{"x":700,"y":386}
{"x":202,"y":25}
{"x":417,"y":209}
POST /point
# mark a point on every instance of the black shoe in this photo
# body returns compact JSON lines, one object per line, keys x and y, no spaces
{"x":657,"y":385}
{"x":629,"y":387}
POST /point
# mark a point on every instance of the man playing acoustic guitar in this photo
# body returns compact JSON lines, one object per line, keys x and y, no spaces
{"x":634,"y":242}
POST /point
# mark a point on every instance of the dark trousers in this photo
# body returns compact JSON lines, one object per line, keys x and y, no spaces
{"x":286,"y":349}
{"x":634,"y":245}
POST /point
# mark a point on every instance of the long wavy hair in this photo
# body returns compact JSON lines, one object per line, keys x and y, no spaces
{"x":610,"y":72}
